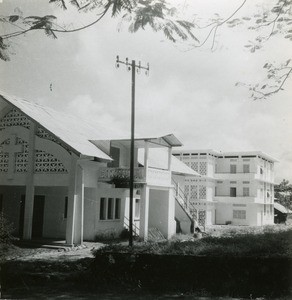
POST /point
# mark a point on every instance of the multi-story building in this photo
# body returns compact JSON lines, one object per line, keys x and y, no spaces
{"x":235,"y":187}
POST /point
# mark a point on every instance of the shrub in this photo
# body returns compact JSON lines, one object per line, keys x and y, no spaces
{"x":124,"y":234}
{"x":6,"y":229}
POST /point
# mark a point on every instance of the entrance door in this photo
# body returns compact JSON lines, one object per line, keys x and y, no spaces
{"x":21,"y":216}
{"x":38,"y":216}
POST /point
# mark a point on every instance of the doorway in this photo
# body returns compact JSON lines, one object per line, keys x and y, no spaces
{"x":38,"y":216}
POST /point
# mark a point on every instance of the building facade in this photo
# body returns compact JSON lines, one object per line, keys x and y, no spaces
{"x":234,"y":188}
{"x":62,"y":178}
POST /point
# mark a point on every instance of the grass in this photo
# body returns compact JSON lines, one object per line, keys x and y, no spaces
{"x":269,"y":241}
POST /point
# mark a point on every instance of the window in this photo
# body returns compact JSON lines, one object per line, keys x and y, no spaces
{"x":110,"y":209}
{"x":232,"y":192}
{"x":245,"y":168}
{"x":118,"y":208}
{"x":261,"y":171}
{"x":239,"y":214}
{"x":102,"y":211}
{"x":137,"y":208}
{"x":233,"y":169}
{"x":66,"y":208}
{"x":115,"y":155}
{"x":1,"y":203}
{"x":246,"y":192}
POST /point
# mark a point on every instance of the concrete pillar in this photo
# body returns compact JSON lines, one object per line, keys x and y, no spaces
{"x":79,"y":208}
{"x":146,"y":159}
{"x":144,"y":213}
{"x":29,"y":190}
{"x":169,"y":158}
{"x":74,"y":226}
{"x":171,"y":227}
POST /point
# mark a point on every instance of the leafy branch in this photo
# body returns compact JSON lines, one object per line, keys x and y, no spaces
{"x":154,"y":13}
{"x":276,"y":78}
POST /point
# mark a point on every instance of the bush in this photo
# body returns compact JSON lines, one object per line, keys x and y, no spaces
{"x":266,"y":244}
{"x":6,"y":229}
{"x":125,"y":234}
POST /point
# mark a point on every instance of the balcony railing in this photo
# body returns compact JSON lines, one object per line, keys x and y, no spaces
{"x":156,"y":177}
{"x":107,"y":174}
{"x":237,"y":199}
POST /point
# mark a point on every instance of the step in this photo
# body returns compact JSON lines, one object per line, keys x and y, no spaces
{"x":154,"y":234}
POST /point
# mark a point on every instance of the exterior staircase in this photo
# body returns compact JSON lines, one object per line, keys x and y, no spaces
{"x":187,"y":206}
{"x":155,"y":234}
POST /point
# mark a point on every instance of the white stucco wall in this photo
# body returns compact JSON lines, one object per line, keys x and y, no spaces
{"x":162,"y":211}
{"x":92,"y":224}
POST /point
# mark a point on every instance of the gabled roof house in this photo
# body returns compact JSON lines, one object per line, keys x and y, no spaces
{"x":61,"y":177}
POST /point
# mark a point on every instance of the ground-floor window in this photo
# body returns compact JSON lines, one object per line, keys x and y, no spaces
{"x":66,"y":208}
{"x":110,"y":208}
{"x":239,"y":214}
{"x":137,"y":208}
{"x":1,"y":203}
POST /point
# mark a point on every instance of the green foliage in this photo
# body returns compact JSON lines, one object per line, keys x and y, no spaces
{"x":107,"y":236}
{"x":155,"y":14}
{"x":271,"y":242}
{"x":283,"y":193}
{"x":120,"y":180}
{"x":6,"y":229}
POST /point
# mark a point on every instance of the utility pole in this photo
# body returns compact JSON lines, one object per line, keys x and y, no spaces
{"x":132,"y":67}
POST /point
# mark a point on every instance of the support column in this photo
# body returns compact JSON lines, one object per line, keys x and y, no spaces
{"x":144,"y":213}
{"x":29,"y":190}
{"x":146,"y":159}
{"x":79,"y":208}
{"x":169,"y":158}
{"x":74,"y":226}
{"x":171,"y":226}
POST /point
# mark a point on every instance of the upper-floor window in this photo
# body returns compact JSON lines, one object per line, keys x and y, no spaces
{"x":233,"y":192}
{"x":261,"y":171}
{"x":246,"y":168}
{"x":233,"y":169}
{"x":246,"y":192}
{"x":115,"y":155}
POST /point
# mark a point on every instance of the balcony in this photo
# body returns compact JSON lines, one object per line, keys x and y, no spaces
{"x":157,"y":177}
{"x":238,"y":199}
{"x":107,"y":174}
{"x":234,"y":176}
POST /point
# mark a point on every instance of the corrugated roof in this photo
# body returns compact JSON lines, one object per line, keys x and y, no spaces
{"x":71,"y":130}
{"x":282,"y":208}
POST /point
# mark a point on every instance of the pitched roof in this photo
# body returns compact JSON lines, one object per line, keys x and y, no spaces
{"x":69,"y":129}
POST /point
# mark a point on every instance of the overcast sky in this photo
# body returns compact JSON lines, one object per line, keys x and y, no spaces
{"x":189,"y":92}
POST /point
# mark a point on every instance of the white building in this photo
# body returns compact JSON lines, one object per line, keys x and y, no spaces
{"x":57,"y":174}
{"x":235,"y":187}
